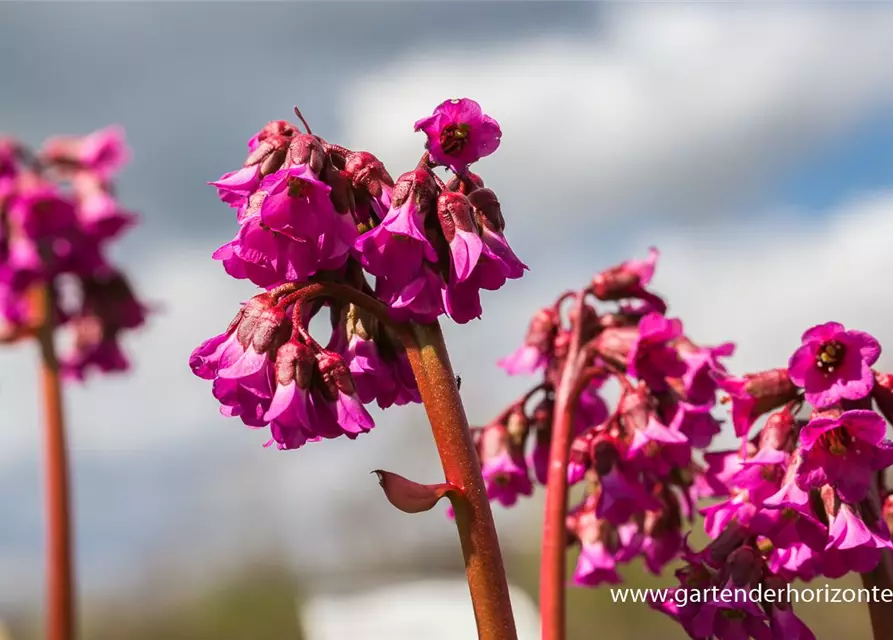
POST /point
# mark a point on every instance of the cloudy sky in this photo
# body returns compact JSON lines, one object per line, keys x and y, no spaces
{"x":754,"y":146}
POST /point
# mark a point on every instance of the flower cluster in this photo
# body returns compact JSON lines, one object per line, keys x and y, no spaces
{"x":635,"y":461}
{"x":308,"y":208}
{"x":802,"y":497}
{"x":58,"y":213}
{"x":311,"y":212}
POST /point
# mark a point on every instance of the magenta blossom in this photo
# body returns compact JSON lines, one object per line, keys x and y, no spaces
{"x":844,"y":452}
{"x":853,"y":545}
{"x":503,"y":466}
{"x":834,"y":364}
{"x":386,"y":379}
{"x":459,"y":133}
{"x":651,"y":358}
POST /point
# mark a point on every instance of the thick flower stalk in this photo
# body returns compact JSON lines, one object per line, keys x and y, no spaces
{"x":803,"y":496}
{"x":316,"y":221}
{"x":58,"y":214}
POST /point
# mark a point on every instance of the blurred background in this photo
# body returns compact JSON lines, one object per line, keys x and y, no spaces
{"x":752,"y":144}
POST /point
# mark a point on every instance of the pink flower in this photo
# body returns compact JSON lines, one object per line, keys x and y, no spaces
{"x":104,"y":152}
{"x":696,"y":423}
{"x":852,"y":544}
{"x":659,"y":449}
{"x":755,"y":394}
{"x":387,"y":379}
{"x":239,"y":361}
{"x":294,"y":233}
{"x":651,"y":358}
{"x":459,"y":134}
{"x":834,"y":364}
{"x":844,"y":452}
{"x":315,"y":398}
{"x":503,"y":466}
{"x":235,"y":187}
{"x":702,"y":367}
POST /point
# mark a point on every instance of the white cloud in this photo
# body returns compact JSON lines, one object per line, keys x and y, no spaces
{"x":668,"y":110}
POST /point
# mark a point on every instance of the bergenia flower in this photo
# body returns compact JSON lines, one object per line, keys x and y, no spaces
{"x":459,"y":133}
{"x":651,"y":358}
{"x":844,"y":452}
{"x":834,"y":364}
{"x":503,"y":465}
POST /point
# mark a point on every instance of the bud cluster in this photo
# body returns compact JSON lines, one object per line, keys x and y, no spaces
{"x":58,"y":214}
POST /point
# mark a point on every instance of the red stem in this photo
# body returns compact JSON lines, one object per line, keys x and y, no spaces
{"x":554,"y":545}
{"x":474,"y":520}
{"x":60,"y":616}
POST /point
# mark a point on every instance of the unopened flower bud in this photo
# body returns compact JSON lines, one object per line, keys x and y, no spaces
{"x":778,"y":432}
{"x":465,"y":183}
{"x":417,"y":184}
{"x":335,"y":374}
{"x":488,"y":211}
{"x":365,"y":171}
{"x":626,"y":279}
{"x":615,"y":343}
{"x":295,"y":361}
{"x":454,"y":214}
{"x":270,"y":154}
{"x":307,"y":150}
{"x":271,"y":329}
{"x":250,"y":314}
{"x":882,"y":394}
{"x":341,"y":194}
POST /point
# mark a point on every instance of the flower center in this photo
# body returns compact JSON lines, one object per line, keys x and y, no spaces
{"x":829,"y":356}
{"x":501,"y":479}
{"x":299,"y":188}
{"x":836,"y":441}
{"x":453,"y":138}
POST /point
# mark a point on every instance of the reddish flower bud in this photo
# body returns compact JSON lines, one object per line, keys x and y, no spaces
{"x":635,"y":408}
{"x":778,"y":432}
{"x":335,"y":374}
{"x":271,"y":330}
{"x":454,"y":213}
{"x":487,"y":210}
{"x":417,"y":184}
{"x":341,"y":194}
{"x":625,"y":280}
{"x":249,"y":316}
{"x":307,"y":150}
{"x":465,"y":183}
{"x":295,"y":361}
{"x":367,"y":172}
{"x":615,"y":343}
{"x":755,"y":394}
{"x":882,"y":394}
{"x":270,"y":154}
